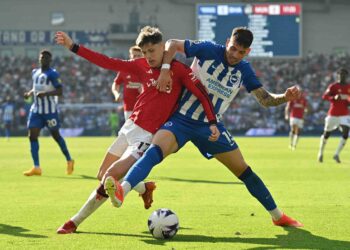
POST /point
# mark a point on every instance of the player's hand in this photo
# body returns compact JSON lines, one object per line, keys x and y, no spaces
{"x":164,"y":82}
{"x":63,"y":39}
{"x":26,"y":95}
{"x":116,"y":97}
{"x":292,"y":93}
{"x":286,"y":117}
{"x":337,"y":97}
{"x":215,"y":133}
{"x":41,"y":94}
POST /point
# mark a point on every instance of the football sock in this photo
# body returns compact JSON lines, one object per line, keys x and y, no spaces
{"x":126,"y":188}
{"x":34,"y":150}
{"x":64,"y":148}
{"x":258,"y":189}
{"x":140,"y":187}
{"x":7,"y":133}
{"x":323,"y":143}
{"x":340,"y":146}
{"x":144,"y":165}
{"x":291,"y":135}
{"x":295,"y":140}
{"x":94,"y":201}
{"x":276,"y":214}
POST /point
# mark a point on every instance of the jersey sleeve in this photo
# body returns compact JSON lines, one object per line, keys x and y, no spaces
{"x":191,"y":82}
{"x":197,"y":48}
{"x":106,"y":62}
{"x":329,"y":93}
{"x":250,"y":80}
{"x":55,"y":79}
{"x":119,"y":79}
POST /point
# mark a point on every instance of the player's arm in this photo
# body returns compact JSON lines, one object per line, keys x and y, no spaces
{"x":99,"y":59}
{"x":28,"y":94}
{"x":329,"y":94}
{"x":287,"y":110}
{"x":267,"y":99}
{"x":171,"y":47}
{"x":116,"y":86}
{"x":197,"y":88}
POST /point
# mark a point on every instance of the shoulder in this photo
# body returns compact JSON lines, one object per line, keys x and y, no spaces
{"x":177,"y":66}
{"x":204,"y":46}
{"x":53,"y":73}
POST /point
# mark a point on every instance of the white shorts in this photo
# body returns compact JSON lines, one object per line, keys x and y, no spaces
{"x":296,"y":121}
{"x":127,"y":114}
{"x":132,"y":140}
{"x":333,"y":122}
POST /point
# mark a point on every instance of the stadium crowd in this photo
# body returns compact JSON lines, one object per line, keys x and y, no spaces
{"x":85,"y":83}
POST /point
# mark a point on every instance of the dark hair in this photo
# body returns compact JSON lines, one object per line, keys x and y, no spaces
{"x":243,"y":36}
{"x":343,"y":70}
{"x":149,"y":34}
{"x":47,"y":52}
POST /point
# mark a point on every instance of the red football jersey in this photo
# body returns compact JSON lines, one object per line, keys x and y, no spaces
{"x":131,"y":86}
{"x":297,"y":107}
{"x":338,"y":107}
{"x":153,"y":108}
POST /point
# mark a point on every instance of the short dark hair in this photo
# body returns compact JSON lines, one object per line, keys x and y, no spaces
{"x":46,"y":51}
{"x":149,"y":34}
{"x":243,"y":36}
{"x":343,"y":70}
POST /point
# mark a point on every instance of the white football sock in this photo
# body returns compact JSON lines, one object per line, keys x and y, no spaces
{"x":295,"y":140}
{"x":291,"y":138}
{"x":323,"y":143}
{"x":94,"y":201}
{"x":340,"y":146}
{"x":276,"y":214}
{"x":140,"y":187}
{"x":126,"y":188}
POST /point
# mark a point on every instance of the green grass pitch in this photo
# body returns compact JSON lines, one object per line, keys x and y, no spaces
{"x":214,"y":208}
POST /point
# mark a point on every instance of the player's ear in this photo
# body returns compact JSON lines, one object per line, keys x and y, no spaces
{"x":227,"y":41}
{"x":248,"y":51}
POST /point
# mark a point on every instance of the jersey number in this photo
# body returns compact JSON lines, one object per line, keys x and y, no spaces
{"x":228,"y":137}
{"x":52,"y":123}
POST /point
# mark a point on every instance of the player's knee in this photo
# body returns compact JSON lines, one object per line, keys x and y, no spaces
{"x":326,"y":135}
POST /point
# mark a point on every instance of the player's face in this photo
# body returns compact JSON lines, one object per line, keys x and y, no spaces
{"x":153,"y":54}
{"x":134,"y":54}
{"x":44,"y":60}
{"x":234,"y":52}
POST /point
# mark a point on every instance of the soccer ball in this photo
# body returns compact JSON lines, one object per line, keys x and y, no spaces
{"x":163,"y":224}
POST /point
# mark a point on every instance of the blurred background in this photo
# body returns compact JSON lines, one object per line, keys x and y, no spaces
{"x":296,"y":42}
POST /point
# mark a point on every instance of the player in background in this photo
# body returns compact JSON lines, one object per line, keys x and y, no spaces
{"x":338,"y":94}
{"x":8,"y":115}
{"x":151,"y":110}
{"x":223,"y":71}
{"x":294,"y":112}
{"x":131,"y":86}
{"x":43,"y":112}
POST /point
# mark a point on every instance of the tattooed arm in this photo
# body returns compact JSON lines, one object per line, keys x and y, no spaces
{"x":267,"y":99}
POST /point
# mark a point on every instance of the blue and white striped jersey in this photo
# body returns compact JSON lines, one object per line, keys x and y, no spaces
{"x":221,"y":80}
{"x":45,"y":81}
{"x":8,"y":111}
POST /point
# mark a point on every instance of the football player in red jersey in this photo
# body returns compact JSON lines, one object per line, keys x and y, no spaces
{"x":151,"y":111}
{"x":294,"y":112}
{"x":131,"y":86}
{"x":337,"y":94}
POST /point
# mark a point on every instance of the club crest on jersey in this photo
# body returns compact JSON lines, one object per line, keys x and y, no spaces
{"x":151,"y":83}
{"x":235,"y":79}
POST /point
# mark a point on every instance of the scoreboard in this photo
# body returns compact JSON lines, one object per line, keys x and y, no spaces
{"x":276,"y":27}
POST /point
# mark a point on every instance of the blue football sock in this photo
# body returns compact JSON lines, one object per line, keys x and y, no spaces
{"x":7,"y":132}
{"x":258,"y":189}
{"x":34,"y":150}
{"x":144,"y":165}
{"x":64,"y":148}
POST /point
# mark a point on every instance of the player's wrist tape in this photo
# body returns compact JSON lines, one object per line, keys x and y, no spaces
{"x":74,"y":48}
{"x":165,"y":66}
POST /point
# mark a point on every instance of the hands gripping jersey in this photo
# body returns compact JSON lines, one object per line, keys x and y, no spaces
{"x":221,"y":80}
{"x":130,"y":89}
{"x":153,"y":108}
{"x":298,"y":107}
{"x":45,"y":81}
{"x":338,"y":107}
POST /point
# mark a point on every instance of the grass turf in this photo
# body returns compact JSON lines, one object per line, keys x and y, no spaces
{"x":214,"y":208}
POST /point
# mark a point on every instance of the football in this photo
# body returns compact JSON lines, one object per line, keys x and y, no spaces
{"x":163,"y":224}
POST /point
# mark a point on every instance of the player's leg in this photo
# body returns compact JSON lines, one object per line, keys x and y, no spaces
{"x":331,"y":123}
{"x":342,"y":142}
{"x":297,"y":128}
{"x":163,"y":144}
{"x":8,"y":129}
{"x":63,"y":146}
{"x":234,"y":161}
{"x":33,"y":134}
{"x":291,"y":132}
